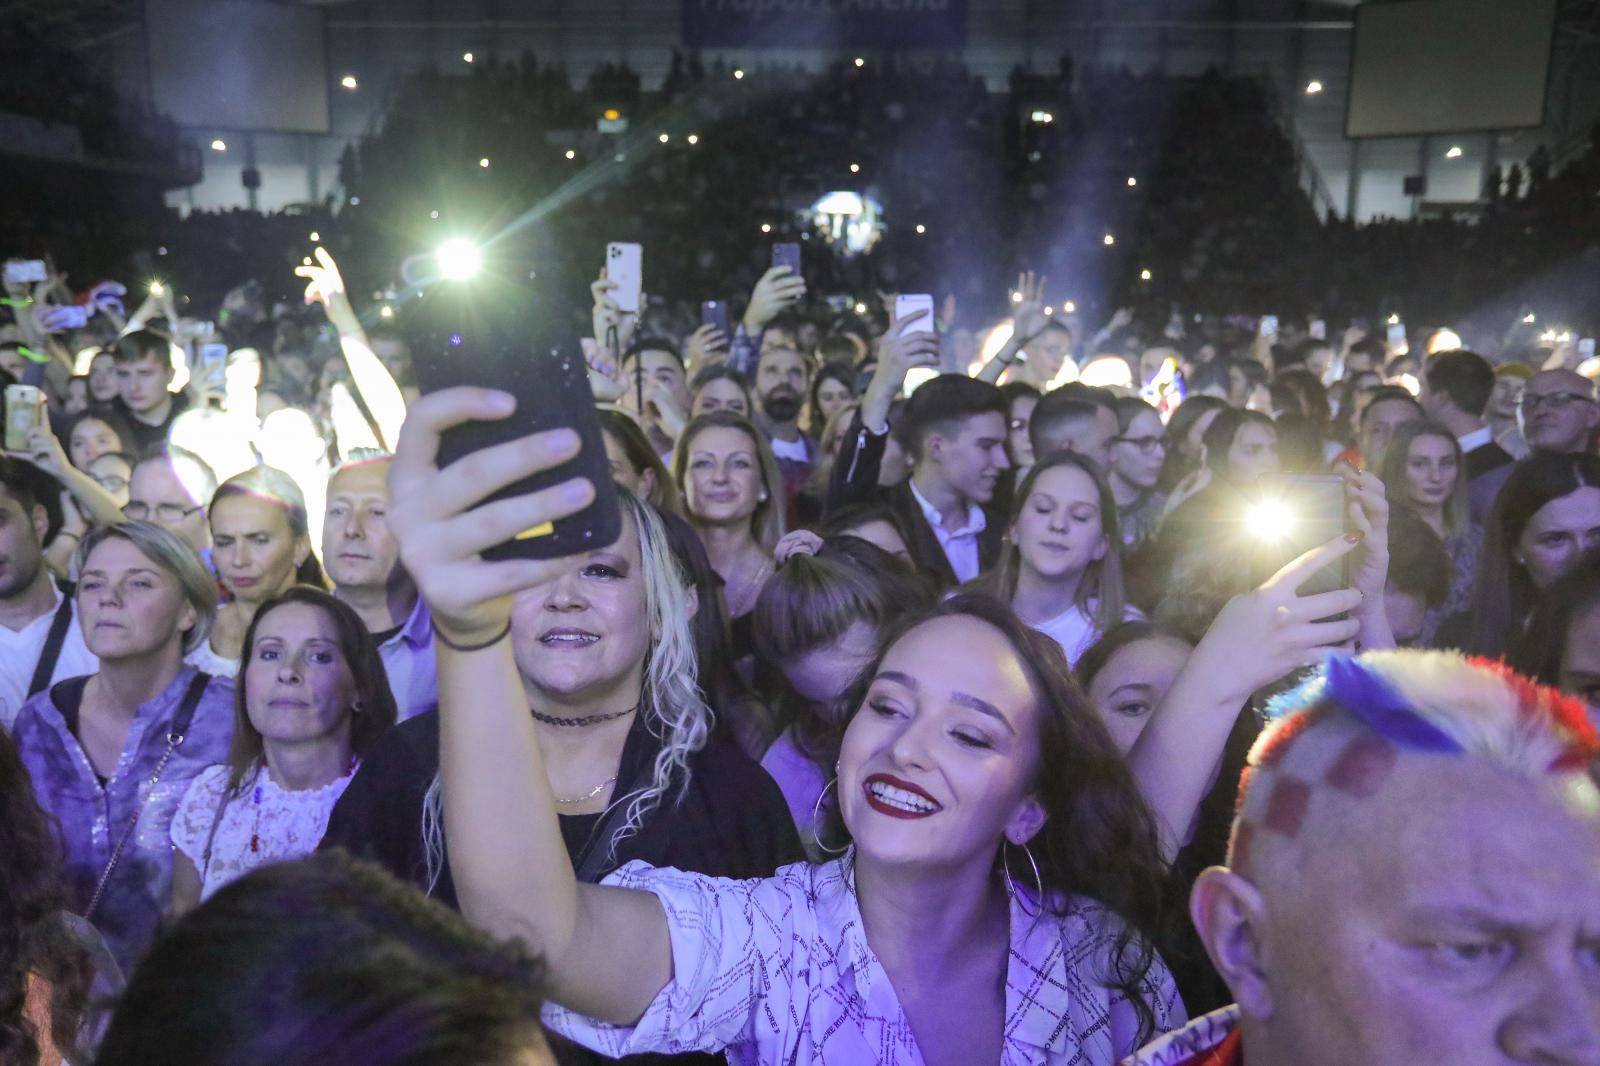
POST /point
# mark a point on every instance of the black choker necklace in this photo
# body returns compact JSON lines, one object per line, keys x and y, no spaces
{"x":578,"y":723}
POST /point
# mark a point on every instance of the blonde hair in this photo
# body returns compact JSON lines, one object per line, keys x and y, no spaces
{"x":670,"y":704}
{"x":767,"y":523}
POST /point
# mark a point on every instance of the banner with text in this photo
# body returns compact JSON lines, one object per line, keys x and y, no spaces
{"x":825,"y":24}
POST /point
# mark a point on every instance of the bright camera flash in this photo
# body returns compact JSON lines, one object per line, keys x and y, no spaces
{"x":1269,"y":519}
{"x":1108,"y":240}
{"x":458,"y":259}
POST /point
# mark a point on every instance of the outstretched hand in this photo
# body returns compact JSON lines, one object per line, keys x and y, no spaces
{"x":1262,"y":635}
{"x":441,"y":527}
{"x":325,"y":285}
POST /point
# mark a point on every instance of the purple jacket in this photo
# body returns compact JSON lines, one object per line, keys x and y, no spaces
{"x":92,"y":817}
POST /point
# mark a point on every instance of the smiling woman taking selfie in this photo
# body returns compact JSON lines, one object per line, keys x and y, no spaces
{"x":976,"y":876}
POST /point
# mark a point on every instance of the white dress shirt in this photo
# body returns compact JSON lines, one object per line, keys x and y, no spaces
{"x":961,"y":546}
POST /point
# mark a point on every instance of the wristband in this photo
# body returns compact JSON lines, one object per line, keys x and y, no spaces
{"x":453,"y":646}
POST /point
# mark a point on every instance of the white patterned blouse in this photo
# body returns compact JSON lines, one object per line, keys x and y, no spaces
{"x":778,"y":970}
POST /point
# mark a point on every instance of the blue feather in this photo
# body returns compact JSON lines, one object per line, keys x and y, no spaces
{"x":1365,"y":694}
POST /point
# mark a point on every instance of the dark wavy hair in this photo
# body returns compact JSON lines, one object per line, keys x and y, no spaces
{"x":1099,"y":839}
{"x":1542,"y":648}
{"x":373,"y":696}
{"x":32,"y":939}
{"x":1503,"y":593}
{"x":839,"y":372}
{"x":326,"y":959}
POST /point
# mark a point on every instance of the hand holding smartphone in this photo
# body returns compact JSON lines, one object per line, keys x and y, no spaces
{"x":551,"y":388}
{"x":1293,"y":513}
{"x":24,"y":414}
{"x":787,"y":255}
{"x":714,"y":313}
{"x":625,"y":267}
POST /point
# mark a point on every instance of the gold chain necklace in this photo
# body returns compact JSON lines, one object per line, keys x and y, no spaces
{"x":591,"y":794}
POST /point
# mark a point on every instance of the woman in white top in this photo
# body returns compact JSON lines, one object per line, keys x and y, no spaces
{"x":312,"y":697}
{"x":261,"y":547}
{"x":1061,"y":570}
{"x":1003,"y":860}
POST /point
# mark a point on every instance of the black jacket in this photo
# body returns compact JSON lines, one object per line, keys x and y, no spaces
{"x":855,"y":481}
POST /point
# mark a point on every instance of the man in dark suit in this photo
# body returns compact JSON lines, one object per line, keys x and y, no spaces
{"x":1457,"y":394}
{"x":955,"y":430}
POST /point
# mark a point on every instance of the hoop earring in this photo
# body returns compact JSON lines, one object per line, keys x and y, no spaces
{"x":816,"y":814}
{"x":1011,"y":886}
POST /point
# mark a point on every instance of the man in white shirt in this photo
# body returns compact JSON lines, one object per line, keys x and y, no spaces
{"x":363,"y":561}
{"x":40,"y":642}
{"x":956,"y":429}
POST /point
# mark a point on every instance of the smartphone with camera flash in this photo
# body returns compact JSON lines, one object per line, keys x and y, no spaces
{"x":1288,"y":515}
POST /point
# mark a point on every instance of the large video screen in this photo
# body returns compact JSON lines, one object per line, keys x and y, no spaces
{"x":1448,"y":66}
{"x":234,"y":64}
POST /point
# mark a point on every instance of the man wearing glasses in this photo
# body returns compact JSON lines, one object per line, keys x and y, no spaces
{"x":1559,"y":413}
{"x":173,"y":490}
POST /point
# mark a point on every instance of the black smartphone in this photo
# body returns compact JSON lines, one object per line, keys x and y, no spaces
{"x":714,"y":313}
{"x":1292,"y":513}
{"x":551,"y":384}
{"x":787,"y":255}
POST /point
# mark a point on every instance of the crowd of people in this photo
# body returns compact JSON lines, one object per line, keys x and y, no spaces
{"x":934,"y":704}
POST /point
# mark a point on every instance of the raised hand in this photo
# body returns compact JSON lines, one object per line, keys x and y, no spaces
{"x":1262,"y":635}
{"x":441,"y":529}
{"x":778,"y":290}
{"x":607,"y":315}
{"x":325,"y":285}
{"x":1029,"y":318}
{"x":705,"y":346}
{"x":605,"y":376}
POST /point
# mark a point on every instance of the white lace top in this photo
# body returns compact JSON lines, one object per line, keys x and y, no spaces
{"x":263,"y":823}
{"x":203,"y":658}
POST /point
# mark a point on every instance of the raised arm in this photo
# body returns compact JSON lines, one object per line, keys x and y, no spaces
{"x":373,"y":383}
{"x":607,"y":950}
{"x":1257,"y":638}
{"x":1028,"y":321}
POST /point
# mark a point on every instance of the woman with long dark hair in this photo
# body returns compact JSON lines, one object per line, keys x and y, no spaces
{"x":1424,"y":471}
{"x":44,"y":968}
{"x":311,"y":697}
{"x":992,"y":823}
{"x":1546,"y":515}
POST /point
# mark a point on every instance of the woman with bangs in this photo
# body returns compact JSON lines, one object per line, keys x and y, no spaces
{"x":604,"y":657}
{"x":1002,"y":858}
{"x":1061,"y":570}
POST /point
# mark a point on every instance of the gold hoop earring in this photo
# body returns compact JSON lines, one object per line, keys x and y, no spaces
{"x":1011,"y":886}
{"x":816,"y":814}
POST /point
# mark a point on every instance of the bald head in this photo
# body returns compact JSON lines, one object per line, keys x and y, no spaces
{"x":1559,"y":414}
{"x":1396,"y":896}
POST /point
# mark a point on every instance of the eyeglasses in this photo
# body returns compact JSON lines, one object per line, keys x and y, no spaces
{"x":1555,"y":401}
{"x":170,"y":513}
{"x":1144,"y":444}
{"x":113,"y":483}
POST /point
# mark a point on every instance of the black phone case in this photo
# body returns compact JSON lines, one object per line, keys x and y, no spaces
{"x":552,"y":391}
{"x":715,"y":313}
